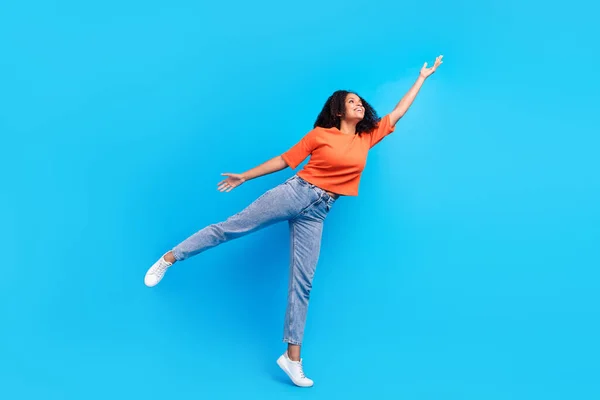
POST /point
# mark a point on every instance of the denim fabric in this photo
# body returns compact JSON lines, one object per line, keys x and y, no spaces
{"x":305,"y":207}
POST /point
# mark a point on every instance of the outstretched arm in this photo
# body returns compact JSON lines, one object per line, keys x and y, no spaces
{"x":291,"y":158}
{"x":273,"y":165}
{"x":234,"y":180}
{"x":404,"y":104}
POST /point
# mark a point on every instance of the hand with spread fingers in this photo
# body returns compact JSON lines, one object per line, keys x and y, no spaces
{"x":232,"y":181}
{"x":426,"y":72}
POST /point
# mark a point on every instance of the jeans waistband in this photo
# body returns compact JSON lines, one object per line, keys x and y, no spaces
{"x":324,"y":192}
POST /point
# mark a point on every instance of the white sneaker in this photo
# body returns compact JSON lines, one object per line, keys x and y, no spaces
{"x":156,"y":272}
{"x":294,"y":370}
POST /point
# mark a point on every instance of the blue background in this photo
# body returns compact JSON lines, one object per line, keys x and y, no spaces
{"x":466,"y":269}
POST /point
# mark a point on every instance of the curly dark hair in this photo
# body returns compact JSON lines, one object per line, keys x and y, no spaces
{"x":335,"y":108}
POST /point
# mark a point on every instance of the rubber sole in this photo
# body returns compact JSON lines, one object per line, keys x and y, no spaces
{"x":281,"y":363}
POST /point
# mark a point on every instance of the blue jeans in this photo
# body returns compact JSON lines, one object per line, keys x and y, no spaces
{"x":305,"y":207}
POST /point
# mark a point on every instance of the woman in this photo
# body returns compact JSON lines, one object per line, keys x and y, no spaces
{"x":343,"y":133}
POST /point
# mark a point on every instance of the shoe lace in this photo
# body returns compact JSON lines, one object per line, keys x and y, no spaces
{"x":301,"y":370}
{"x":161,"y":268}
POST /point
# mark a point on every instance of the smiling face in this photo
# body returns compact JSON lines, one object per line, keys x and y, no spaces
{"x":346,"y":109}
{"x":354,"y":108}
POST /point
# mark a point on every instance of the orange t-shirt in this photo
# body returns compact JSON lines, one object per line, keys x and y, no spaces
{"x":337,"y":159}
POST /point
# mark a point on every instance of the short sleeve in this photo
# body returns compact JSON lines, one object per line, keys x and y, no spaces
{"x":298,"y":153}
{"x":383,"y":129}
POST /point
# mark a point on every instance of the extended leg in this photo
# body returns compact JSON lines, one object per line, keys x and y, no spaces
{"x":268,"y":209}
{"x":273,"y":206}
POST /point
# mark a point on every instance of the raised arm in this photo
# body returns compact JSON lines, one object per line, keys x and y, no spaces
{"x":404,"y":104}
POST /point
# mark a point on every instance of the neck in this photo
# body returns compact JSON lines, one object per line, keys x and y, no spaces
{"x":348,"y":127}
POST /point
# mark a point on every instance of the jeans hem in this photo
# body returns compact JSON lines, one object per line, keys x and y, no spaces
{"x":292,"y":342}
{"x":178,"y":256}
